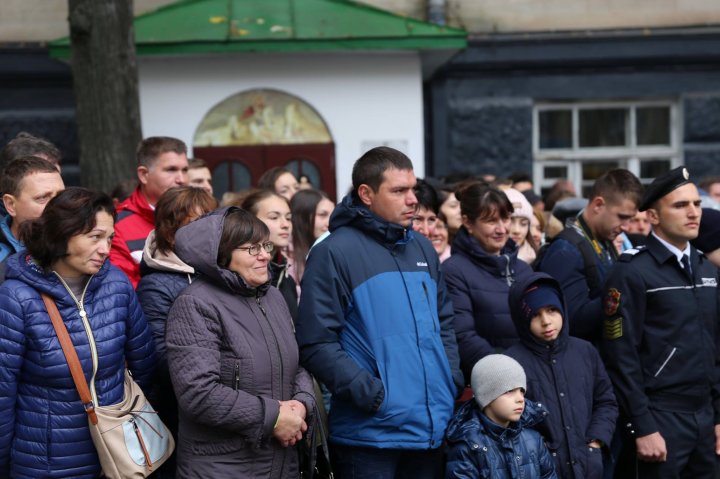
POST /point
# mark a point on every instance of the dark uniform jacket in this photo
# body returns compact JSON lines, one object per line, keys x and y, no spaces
{"x":660,"y":334}
{"x":567,"y":376}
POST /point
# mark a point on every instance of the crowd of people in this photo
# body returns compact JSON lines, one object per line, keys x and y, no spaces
{"x":457,"y":327}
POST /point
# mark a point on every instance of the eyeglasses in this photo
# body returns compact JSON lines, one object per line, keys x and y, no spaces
{"x":255,"y":249}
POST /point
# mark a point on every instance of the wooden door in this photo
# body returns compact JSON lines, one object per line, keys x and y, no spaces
{"x":235,"y":168}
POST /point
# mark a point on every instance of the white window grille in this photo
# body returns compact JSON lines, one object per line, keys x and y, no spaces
{"x":580,"y":141}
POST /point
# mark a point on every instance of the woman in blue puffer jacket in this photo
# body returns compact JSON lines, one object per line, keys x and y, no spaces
{"x":43,"y":424}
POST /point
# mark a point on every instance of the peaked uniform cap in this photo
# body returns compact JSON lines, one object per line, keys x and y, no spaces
{"x":664,"y":184}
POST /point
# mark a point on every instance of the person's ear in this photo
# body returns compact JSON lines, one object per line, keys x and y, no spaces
{"x":467,"y":223}
{"x":142,"y":173}
{"x":597,"y":203}
{"x":9,"y":202}
{"x":366,"y":194}
{"x":652,"y":216}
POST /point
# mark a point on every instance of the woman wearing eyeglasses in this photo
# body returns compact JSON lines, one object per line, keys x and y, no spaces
{"x":233,"y":359}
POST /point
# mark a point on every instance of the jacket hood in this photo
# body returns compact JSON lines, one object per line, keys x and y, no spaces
{"x":197,"y":245}
{"x":522,"y":326}
{"x":502,"y":264}
{"x":155,"y":259}
{"x":350,"y":212}
{"x":469,"y":418}
{"x":7,"y":232}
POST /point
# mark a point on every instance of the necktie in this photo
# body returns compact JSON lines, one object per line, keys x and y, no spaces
{"x":686,"y":266}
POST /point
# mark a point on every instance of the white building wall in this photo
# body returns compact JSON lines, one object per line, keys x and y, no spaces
{"x":365,"y":98}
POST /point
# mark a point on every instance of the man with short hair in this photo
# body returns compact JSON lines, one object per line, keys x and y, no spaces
{"x":375,"y":326}
{"x":199,"y":175}
{"x":24,"y":144}
{"x":582,"y":254}
{"x":521,"y":181}
{"x":661,"y":342}
{"x":711,"y":186}
{"x":28,"y":183}
{"x":162,"y":164}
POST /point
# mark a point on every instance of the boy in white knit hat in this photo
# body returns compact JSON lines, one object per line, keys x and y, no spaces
{"x":490,"y":435}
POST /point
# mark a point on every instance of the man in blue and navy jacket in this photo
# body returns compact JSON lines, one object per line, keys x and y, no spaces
{"x":375,"y":325}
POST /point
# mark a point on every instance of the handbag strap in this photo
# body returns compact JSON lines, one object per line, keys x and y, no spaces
{"x":324,"y":441}
{"x":71,"y":357}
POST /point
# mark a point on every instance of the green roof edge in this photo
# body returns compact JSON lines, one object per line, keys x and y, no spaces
{"x":449,"y":38}
{"x":289,"y":46}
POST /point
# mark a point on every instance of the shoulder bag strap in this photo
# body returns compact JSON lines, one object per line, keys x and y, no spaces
{"x":324,"y":442}
{"x":592,"y":274}
{"x":70,"y":356}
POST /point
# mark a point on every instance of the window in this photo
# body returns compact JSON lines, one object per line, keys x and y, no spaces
{"x":230,"y":176}
{"x":301,"y":166}
{"x":580,"y":141}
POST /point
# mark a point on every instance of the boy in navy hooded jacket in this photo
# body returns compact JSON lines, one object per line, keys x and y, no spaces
{"x":491,"y":435}
{"x":565,"y":374}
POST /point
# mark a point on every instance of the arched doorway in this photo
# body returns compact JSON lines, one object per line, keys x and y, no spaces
{"x":250,"y":132}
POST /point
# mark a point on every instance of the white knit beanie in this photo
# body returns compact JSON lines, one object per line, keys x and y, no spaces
{"x":520,"y":204}
{"x":493,"y":376}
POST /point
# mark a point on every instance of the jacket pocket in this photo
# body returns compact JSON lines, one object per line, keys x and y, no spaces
{"x":385,"y":399}
{"x":593,"y":463}
{"x":668,"y":354}
{"x":231,"y":372}
{"x":432,"y":311}
{"x":223,"y":444}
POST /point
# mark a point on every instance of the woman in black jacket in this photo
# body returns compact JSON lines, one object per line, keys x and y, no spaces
{"x":479,"y":273}
{"x":164,"y":276}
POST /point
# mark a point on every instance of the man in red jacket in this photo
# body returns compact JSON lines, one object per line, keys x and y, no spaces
{"x":162,"y":164}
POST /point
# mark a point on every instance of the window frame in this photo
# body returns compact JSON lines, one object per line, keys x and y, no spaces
{"x":629,"y":156}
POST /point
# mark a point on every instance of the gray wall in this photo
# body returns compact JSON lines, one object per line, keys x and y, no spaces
{"x":479,"y":108}
{"x":36,"y":96}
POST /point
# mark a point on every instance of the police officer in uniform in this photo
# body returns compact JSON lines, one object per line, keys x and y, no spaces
{"x":660,"y":339}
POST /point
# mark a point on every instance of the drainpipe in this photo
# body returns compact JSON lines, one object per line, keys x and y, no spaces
{"x":436,"y":11}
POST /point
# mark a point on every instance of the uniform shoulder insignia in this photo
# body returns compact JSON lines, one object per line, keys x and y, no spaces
{"x":613,"y":328}
{"x":628,"y":254}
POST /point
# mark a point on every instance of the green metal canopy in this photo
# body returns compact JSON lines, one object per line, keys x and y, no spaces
{"x":221,"y":26}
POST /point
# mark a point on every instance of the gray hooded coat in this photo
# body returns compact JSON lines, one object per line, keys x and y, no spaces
{"x":232,"y":356}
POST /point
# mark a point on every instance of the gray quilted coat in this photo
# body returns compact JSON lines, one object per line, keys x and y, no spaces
{"x":232,"y":356}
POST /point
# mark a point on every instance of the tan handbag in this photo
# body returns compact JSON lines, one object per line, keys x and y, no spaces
{"x":130,"y":439}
